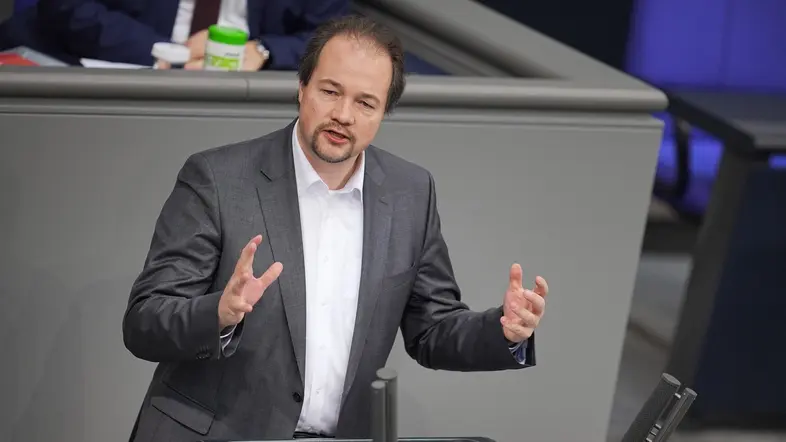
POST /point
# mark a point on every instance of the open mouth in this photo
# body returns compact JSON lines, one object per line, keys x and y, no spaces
{"x":336,"y":137}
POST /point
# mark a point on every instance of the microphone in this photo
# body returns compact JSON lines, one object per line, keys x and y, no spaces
{"x":384,"y":421}
{"x":379,"y":432}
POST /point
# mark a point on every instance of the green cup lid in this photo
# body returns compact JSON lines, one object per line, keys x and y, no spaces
{"x":227,"y":35}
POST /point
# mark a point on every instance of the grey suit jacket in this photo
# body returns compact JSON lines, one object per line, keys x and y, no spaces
{"x":254,"y":387}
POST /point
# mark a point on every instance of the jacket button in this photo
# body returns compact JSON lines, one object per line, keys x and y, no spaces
{"x":297,"y":397}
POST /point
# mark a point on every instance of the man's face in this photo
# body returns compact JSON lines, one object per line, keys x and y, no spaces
{"x":342,"y":106}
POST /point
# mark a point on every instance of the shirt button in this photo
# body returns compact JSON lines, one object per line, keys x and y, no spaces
{"x":297,"y":397}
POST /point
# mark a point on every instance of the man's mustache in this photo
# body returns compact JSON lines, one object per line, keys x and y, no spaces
{"x":338,"y":129}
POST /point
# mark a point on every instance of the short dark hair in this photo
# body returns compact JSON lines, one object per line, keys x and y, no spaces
{"x":359,"y":27}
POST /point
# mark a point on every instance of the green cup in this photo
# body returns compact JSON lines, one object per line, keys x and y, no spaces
{"x":225,"y":48}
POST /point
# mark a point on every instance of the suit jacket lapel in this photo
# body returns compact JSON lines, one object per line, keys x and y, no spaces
{"x":278,"y":198}
{"x":376,"y":233}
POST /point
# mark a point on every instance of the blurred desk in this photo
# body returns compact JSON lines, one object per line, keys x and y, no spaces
{"x":729,"y":334}
{"x":750,"y":123}
{"x":35,"y":56}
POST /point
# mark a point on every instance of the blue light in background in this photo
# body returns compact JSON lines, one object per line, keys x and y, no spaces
{"x":708,"y":44}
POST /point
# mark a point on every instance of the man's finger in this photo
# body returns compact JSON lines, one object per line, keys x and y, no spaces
{"x":239,"y":305}
{"x":271,"y":274}
{"x":525,"y":317}
{"x":541,"y":287}
{"x":519,"y":298}
{"x":246,"y":260}
{"x":536,"y":303}
{"x":517,"y":329}
{"x":256,"y":287}
{"x":515,"y":276}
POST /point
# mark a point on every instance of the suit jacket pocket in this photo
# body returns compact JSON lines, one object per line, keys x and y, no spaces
{"x":182,"y":409}
{"x":398,"y":279}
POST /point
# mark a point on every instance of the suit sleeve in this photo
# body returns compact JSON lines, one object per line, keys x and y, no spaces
{"x":95,"y":29}
{"x":172,"y":315}
{"x":439,"y":330}
{"x":286,"y":50}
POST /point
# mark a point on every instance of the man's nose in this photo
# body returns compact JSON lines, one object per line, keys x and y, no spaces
{"x":342,"y":112}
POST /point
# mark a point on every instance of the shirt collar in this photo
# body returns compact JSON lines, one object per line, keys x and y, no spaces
{"x":307,"y":177}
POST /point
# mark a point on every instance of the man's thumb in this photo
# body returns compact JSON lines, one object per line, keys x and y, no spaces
{"x":516,"y":275}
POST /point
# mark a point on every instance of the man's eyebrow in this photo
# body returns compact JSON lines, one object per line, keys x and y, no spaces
{"x":369,"y":96}
{"x":331,"y":82}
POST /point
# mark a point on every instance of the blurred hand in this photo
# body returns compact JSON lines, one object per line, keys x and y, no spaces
{"x":522,"y":308}
{"x":195,"y":65}
{"x":196,"y":44}
{"x":253,"y":60}
{"x":244,"y":290}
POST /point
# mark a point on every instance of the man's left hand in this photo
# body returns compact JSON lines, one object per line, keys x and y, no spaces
{"x":253,"y":60}
{"x":523,"y":308}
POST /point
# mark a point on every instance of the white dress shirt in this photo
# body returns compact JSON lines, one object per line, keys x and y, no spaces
{"x":332,"y":226}
{"x":232,"y":14}
{"x":332,"y":231}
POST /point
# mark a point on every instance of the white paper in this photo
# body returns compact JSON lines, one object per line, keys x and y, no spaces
{"x":100,"y":64}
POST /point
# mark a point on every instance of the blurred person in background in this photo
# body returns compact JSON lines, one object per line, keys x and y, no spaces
{"x":124,"y":31}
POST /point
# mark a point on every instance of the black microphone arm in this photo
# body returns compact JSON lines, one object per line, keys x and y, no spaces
{"x":662,"y":412}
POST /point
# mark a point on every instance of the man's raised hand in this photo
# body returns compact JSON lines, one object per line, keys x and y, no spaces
{"x":522,"y":308}
{"x":244,"y":289}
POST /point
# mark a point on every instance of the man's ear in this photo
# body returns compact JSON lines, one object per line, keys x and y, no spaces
{"x":299,"y":93}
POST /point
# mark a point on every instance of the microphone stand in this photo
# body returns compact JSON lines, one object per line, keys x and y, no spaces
{"x":384,"y":405}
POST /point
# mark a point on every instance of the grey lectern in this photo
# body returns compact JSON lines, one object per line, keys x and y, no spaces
{"x":384,"y":422}
{"x":539,"y":155}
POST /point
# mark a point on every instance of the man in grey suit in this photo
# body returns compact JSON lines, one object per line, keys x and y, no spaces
{"x":346,"y":240}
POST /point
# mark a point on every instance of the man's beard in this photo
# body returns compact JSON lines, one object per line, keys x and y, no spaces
{"x":323,"y":155}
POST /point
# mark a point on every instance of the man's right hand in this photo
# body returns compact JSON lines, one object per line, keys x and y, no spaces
{"x":244,"y":289}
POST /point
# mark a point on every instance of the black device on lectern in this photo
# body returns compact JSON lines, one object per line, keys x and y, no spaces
{"x":662,"y":412}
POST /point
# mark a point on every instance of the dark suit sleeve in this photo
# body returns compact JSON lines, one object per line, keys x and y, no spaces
{"x":440,"y":332}
{"x":171,"y":315}
{"x":286,"y":50}
{"x":100,"y":29}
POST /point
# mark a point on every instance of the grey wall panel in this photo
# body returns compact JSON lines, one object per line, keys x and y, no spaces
{"x":564,"y":194}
